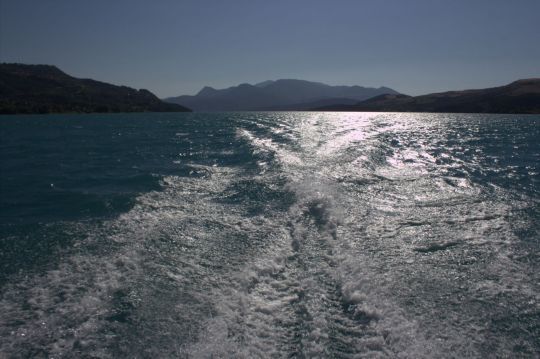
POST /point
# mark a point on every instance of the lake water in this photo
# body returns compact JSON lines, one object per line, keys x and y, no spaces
{"x":243,"y":235}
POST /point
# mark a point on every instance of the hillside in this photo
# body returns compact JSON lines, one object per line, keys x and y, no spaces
{"x":276,"y":95}
{"x":522,"y":96}
{"x":46,"y":89}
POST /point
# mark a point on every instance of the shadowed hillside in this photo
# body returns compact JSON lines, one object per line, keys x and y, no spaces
{"x":522,"y":96}
{"x":46,"y":89}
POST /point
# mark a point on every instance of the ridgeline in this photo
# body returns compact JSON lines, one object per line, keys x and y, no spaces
{"x":520,"y":97}
{"x":46,"y":89}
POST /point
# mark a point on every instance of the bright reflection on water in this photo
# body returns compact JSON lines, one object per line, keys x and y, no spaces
{"x":270,"y":235}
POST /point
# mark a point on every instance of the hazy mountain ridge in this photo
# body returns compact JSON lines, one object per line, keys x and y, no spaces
{"x":284,"y":94}
{"x":521,"y":96}
{"x":47,"y":89}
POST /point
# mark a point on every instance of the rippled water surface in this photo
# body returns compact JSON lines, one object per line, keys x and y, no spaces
{"x":246,"y":235}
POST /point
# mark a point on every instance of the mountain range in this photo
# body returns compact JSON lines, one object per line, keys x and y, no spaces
{"x":46,"y":89}
{"x":522,"y":96}
{"x":279,"y":95}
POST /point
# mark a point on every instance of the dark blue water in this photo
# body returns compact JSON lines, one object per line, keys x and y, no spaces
{"x":269,"y":235}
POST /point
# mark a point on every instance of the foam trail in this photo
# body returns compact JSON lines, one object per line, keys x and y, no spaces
{"x":301,"y":235}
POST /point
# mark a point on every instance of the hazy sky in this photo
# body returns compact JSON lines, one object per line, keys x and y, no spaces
{"x":174,"y":47}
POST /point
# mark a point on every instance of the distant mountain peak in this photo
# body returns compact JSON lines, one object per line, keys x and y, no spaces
{"x":264,"y":83}
{"x":207,"y":91}
{"x":289,"y":94}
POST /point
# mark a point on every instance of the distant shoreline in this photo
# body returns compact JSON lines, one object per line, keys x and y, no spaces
{"x":262,"y":111}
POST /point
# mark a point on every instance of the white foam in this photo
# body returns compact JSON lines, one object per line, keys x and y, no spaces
{"x":335,"y":274}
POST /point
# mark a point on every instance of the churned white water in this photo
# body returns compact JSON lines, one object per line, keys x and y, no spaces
{"x":304,"y":235}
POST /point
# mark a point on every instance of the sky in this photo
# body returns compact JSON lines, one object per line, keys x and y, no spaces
{"x":175,"y":47}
